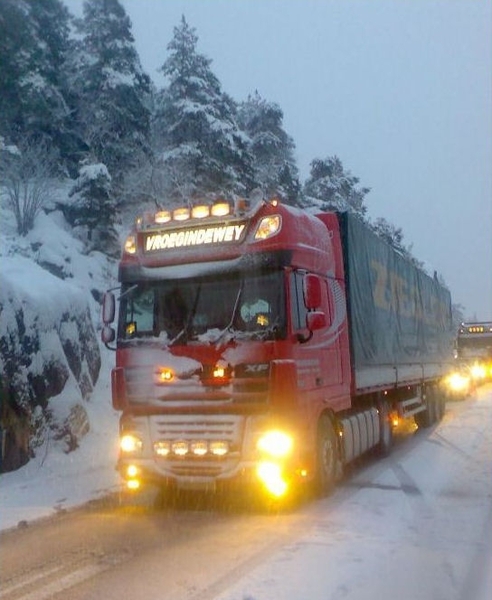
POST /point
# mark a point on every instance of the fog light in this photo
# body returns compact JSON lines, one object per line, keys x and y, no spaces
{"x":271,"y":476}
{"x":133,"y":484}
{"x":132,"y":471}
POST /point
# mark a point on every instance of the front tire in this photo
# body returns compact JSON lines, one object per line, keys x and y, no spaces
{"x":326,"y":456}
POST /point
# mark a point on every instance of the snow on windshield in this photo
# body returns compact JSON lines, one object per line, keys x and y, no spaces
{"x":202,"y":308}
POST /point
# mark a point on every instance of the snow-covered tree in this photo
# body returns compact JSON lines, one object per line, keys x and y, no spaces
{"x":110,"y":89}
{"x":335,"y":188}
{"x":25,"y":173}
{"x":199,"y":146}
{"x":34,"y":39}
{"x":274,"y":164}
{"x":393,"y":236}
{"x":93,"y":208}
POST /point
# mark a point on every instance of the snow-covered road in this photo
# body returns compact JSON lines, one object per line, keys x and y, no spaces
{"x":416,"y":525}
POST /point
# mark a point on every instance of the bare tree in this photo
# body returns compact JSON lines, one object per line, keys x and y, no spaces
{"x":25,"y":172}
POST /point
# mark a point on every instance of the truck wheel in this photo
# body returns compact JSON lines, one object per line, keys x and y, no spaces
{"x":427,"y":417}
{"x":327,"y":456}
{"x":440,"y":400}
{"x":385,"y":430}
{"x":442,"y":406}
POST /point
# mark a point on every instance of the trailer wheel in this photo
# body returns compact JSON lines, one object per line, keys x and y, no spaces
{"x":385,"y":430}
{"x":428,"y":417}
{"x":327,"y":456}
{"x":440,"y":400}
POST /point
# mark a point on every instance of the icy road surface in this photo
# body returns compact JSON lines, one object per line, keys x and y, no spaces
{"x":415,"y":526}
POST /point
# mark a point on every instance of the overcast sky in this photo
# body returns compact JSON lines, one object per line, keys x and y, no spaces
{"x":400,"y":90}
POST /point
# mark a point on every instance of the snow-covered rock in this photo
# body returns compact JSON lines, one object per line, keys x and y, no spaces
{"x":48,"y":350}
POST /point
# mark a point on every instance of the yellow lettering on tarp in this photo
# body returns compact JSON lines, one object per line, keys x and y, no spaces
{"x":380,"y":299}
{"x":193,"y":237}
{"x":393,"y":292}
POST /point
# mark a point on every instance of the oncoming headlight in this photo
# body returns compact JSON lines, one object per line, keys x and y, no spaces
{"x":276,"y":444}
{"x":458,"y":382}
{"x":478,"y":371}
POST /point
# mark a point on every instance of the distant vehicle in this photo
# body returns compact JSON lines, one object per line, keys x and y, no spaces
{"x":474,"y":349}
{"x":265,"y":345}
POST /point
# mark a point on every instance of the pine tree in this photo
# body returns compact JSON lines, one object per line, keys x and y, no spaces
{"x":111,"y":90}
{"x":333,"y":188}
{"x":33,"y":44}
{"x":15,"y":50}
{"x":200,"y":148}
{"x":275,"y":169}
{"x":93,"y":208}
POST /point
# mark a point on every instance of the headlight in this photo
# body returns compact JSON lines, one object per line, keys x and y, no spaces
{"x":478,"y":371}
{"x":130,"y":444}
{"x":267,"y":227}
{"x":276,"y":444}
{"x":458,"y":382}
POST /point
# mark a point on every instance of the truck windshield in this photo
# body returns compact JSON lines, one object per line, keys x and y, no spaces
{"x":204,"y":309}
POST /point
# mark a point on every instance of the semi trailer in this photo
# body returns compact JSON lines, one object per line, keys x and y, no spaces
{"x":262,"y":345}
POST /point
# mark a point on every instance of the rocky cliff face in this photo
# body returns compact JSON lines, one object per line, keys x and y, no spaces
{"x":49,"y":360}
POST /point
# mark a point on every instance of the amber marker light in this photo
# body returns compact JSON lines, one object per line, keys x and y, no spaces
{"x":201,"y":211}
{"x":219,"y":372}
{"x":163,"y":216}
{"x":220,"y":209}
{"x":131,"y":244}
{"x":181,"y":214}
{"x":164,"y":375}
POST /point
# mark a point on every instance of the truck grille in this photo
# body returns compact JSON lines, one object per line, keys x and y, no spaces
{"x":140,"y":388}
{"x":227,"y":428}
{"x":206,"y":430}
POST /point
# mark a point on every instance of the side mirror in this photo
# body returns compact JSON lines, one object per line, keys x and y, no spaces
{"x":107,"y":334}
{"x":312,"y":291}
{"x":108,"y":308}
{"x":315,"y":320}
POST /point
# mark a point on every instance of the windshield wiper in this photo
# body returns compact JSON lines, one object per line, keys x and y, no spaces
{"x":229,"y":325}
{"x":185,"y":332}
